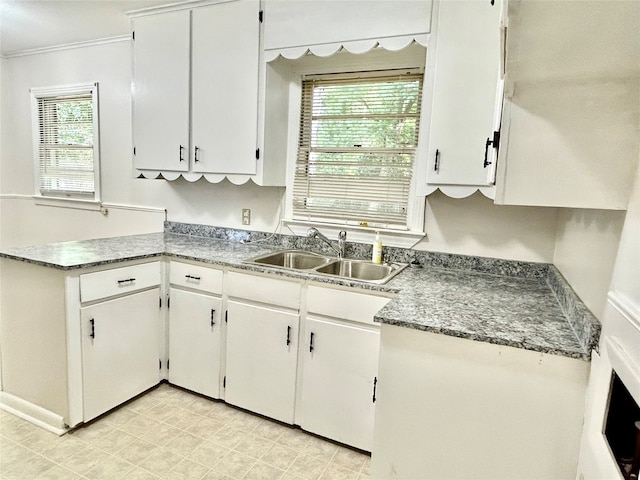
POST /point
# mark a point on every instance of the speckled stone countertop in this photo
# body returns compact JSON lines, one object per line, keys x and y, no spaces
{"x":517,"y":304}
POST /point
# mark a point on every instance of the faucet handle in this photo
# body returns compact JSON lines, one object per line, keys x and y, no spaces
{"x":342,"y":235}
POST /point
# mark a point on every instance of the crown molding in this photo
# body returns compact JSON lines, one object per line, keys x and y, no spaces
{"x":67,"y":46}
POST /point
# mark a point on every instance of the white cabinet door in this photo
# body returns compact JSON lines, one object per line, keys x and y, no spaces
{"x":226,"y":46}
{"x":339,"y":376}
{"x":120,"y":350}
{"x":465,"y":109}
{"x":194,"y":341}
{"x":161,"y":91}
{"x":262,"y":352}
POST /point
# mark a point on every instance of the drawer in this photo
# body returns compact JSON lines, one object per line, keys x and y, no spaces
{"x":195,"y":276}
{"x":270,"y":290}
{"x":118,"y":281}
{"x":343,"y":304}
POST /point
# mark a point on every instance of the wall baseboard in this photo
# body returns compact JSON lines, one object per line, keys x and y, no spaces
{"x":33,"y":413}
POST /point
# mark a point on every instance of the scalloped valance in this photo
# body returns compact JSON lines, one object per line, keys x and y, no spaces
{"x":194,"y":177}
{"x":355,"y":46}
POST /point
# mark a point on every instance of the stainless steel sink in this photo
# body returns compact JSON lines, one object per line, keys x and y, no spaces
{"x":361,"y":270}
{"x":294,"y":259}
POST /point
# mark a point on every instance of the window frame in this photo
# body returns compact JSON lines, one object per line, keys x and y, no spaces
{"x":292,"y":71}
{"x":38,"y":93}
{"x":377,"y":77}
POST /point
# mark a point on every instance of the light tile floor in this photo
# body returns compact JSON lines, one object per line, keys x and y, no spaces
{"x":172,"y":434}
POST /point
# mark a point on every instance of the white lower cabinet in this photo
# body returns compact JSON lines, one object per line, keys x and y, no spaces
{"x":339,"y":361}
{"x":196,"y":324}
{"x":120,"y":350}
{"x":339,"y":381}
{"x":262,"y":355}
{"x":194,"y":341}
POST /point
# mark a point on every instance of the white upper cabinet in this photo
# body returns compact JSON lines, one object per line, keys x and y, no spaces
{"x":226,"y":40}
{"x":572,"y":104}
{"x":161,"y":92}
{"x":293,"y":26}
{"x":467,"y":95}
{"x":196,"y":92}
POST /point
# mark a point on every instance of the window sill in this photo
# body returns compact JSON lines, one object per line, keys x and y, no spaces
{"x":391,"y":238}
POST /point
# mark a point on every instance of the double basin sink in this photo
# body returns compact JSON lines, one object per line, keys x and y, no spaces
{"x":310,"y":262}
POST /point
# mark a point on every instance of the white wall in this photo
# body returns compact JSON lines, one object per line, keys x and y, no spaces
{"x":110,"y":65}
{"x":586,"y":247}
{"x":626,"y":274}
{"x":476,"y":226}
{"x":471,"y":226}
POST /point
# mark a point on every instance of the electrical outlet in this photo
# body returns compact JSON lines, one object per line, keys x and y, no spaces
{"x":246,"y":216}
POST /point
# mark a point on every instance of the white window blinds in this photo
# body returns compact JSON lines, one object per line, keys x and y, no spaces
{"x":356,"y":150}
{"x":66,"y":142}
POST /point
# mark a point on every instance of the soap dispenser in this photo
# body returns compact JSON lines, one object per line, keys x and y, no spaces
{"x":376,"y":256}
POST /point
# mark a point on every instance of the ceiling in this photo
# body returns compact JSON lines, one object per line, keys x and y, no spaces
{"x":29,"y":24}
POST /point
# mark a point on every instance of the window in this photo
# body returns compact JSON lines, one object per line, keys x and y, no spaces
{"x":66,"y":141}
{"x":356,"y":149}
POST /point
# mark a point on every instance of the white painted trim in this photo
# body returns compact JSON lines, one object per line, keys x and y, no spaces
{"x":32,"y":413}
{"x":626,"y":307}
{"x":74,"y":350}
{"x":68,"y":46}
{"x":393,"y":44}
{"x":80,"y":204}
{"x":73,"y":203}
{"x":136,"y":208}
{"x":172,"y":7}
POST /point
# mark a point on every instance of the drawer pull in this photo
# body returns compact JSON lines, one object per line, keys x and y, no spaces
{"x":126,"y":280}
{"x":311,"y":342}
{"x":92,"y":322}
{"x":192,"y":277}
{"x":289,"y":335}
{"x":213,"y":312}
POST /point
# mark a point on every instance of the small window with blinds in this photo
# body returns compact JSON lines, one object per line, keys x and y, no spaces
{"x":66,"y":141}
{"x":358,"y":138}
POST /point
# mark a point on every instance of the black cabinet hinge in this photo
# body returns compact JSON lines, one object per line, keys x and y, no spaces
{"x":224,"y":382}
{"x":257,"y":154}
{"x":261,"y":16}
{"x":495,"y":143}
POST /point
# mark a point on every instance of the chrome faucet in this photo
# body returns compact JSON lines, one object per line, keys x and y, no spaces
{"x":313,"y":232}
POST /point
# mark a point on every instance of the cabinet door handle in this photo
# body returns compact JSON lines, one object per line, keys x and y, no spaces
{"x":436,"y":164}
{"x":288,"y":335}
{"x":195,"y":154}
{"x":126,"y":280}
{"x":213,"y":312}
{"x":311,"y":342}
{"x":92,"y":322}
{"x":180,"y":153}
{"x":375,"y":383}
{"x":192,"y":277}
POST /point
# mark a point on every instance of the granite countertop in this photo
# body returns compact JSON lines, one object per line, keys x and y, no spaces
{"x":522,"y":305}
